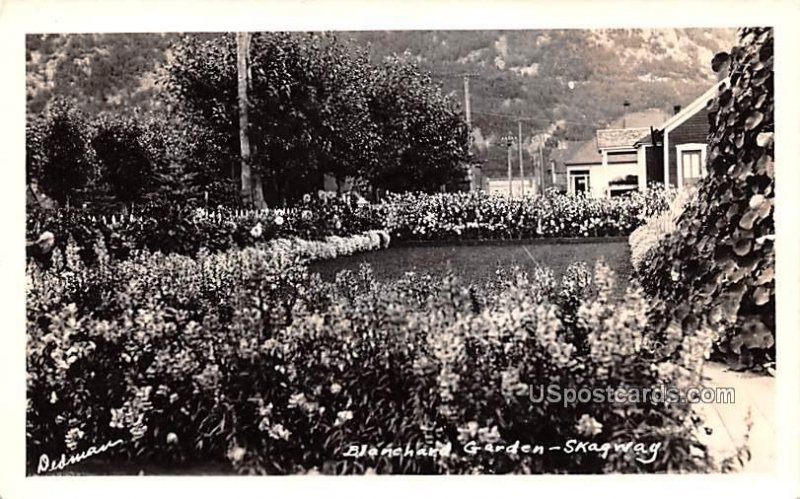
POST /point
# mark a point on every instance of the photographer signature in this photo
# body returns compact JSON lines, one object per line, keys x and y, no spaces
{"x":46,"y":465}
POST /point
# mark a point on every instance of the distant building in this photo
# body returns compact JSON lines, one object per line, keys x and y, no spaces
{"x":644,"y":148}
{"x":680,"y":144}
{"x":610,"y":164}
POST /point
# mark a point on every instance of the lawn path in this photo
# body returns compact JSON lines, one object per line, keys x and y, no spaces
{"x":728,"y":422}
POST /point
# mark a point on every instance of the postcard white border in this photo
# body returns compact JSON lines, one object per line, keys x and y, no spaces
{"x":18,"y":17}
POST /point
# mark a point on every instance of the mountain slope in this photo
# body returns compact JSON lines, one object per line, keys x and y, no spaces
{"x":565,"y":83}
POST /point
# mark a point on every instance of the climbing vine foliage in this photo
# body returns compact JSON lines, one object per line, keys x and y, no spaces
{"x":718,"y":266}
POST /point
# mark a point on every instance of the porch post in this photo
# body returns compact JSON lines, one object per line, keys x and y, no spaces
{"x":604,"y":187}
{"x":641,"y":160}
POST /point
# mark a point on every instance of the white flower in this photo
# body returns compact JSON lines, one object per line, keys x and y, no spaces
{"x":469,"y":431}
{"x":336,"y":388}
{"x":342,"y":417}
{"x":665,"y":370}
{"x":588,"y":426}
{"x":278,"y":220}
{"x":278,"y":432}
{"x":72,"y":438}
{"x":298,"y":399}
{"x":306,"y":198}
{"x":236,"y":453}
{"x":257,"y":230}
{"x":490,"y":435}
{"x":172,"y":438}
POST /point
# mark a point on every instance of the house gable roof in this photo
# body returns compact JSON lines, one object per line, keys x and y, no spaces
{"x":695,"y":106}
{"x":586,"y":154}
{"x":589,"y":152}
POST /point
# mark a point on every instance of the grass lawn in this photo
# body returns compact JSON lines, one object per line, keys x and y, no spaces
{"x":476,"y":264}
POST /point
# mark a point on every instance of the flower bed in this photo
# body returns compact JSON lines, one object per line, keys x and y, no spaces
{"x":241,"y":356}
{"x":478,"y":215}
{"x":186,"y":230}
{"x":408,"y":218}
{"x":331,"y":247}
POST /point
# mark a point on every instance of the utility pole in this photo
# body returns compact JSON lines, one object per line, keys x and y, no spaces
{"x":541,"y":167}
{"x":242,"y":45}
{"x":468,"y":114}
{"x":467,"y":108}
{"x":519,"y":147}
{"x":508,"y":141}
{"x":510,"y":185}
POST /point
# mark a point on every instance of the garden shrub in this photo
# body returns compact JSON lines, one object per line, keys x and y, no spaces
{"x":128,"y":160}
{"x":241,"y":357}
{"x":58,"y":152}
{"x":718,"y":266}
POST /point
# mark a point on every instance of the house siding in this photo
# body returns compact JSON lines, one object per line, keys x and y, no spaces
{"x":622,"y":157}
{"x":693,"y":130}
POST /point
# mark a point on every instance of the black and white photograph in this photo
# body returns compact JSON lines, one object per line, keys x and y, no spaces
{"x":529,"y":251}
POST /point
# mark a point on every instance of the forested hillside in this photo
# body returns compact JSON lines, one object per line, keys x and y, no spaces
{"x":565,"y":83}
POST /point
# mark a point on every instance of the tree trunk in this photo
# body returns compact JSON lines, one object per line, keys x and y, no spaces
{"x":258,"y":192}
{"x":242,"y":48}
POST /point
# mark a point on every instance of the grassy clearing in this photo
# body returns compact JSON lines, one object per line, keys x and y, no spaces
{"x":477,"y":264}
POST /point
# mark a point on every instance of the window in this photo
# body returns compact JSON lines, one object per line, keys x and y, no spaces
{"x":691,"y":163}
